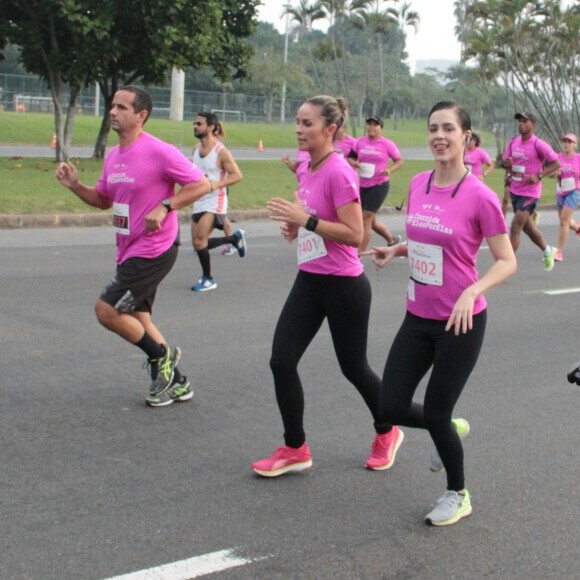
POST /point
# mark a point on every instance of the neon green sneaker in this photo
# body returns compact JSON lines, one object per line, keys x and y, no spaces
{"x":179,"y":391}
{"x":549,"y":260}
{"x":462,"y":428}
{"x":450,"y":508}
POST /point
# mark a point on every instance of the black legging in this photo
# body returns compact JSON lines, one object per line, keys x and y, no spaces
{"x":419,"y":345}
{"x":346,"y":302}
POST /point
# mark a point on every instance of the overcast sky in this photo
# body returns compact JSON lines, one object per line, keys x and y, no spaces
{"x":434,"y":40}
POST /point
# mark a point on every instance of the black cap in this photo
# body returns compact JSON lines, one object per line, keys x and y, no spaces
{"x":376,"y":119}
{"x":526,"y":115}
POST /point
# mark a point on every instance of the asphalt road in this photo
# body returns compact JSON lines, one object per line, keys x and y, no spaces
{"x":94,"y":484}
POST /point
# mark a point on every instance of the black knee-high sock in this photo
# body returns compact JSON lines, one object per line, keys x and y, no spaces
{"x":150,"y":347}
{"x":203,"y":256}
{"x":215,"y":242}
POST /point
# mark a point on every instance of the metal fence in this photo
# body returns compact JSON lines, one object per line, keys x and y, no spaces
{"x":30,"y":93}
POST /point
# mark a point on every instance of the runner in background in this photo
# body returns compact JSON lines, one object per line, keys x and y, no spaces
{"x":527,"y":159}
{"x":477,"y":160}
{"x":371,"y":158}
{"x":209,"y":212}
{"x":567,"y":191}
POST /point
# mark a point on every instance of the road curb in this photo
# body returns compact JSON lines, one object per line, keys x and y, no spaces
{"x":85,"y":220}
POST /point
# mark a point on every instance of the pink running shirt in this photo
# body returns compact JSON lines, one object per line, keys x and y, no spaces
{"x":136,"y":179}
{"x":569,"y":179}
{"x":373,"y":156}
{"x":322,"y":192}
{"x":528,"y":158}
{"x":344,"y":146}
{"x":444,"y":235}
{"x":475,"y":159}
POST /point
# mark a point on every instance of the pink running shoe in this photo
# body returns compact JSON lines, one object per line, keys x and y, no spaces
{"x":284,"y":459}
{"x":558,"y":256}
{"x":384,"y":450}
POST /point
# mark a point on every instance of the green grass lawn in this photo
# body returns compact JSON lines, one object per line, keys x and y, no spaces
{"x":28,"y":185}
{"x":35,"y":128}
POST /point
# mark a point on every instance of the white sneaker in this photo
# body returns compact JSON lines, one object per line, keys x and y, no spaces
{"x":450,"y":508}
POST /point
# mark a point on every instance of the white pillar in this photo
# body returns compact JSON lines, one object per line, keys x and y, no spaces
{"x":283,"y":103}
{"x":97,"y":99}
{"x":177,"y":95}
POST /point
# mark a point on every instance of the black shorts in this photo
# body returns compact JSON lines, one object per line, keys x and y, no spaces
{"x":135,"y":282}
{"x":373,"y":197}
{"x":523,"y":203}
{"x":218,"y":221}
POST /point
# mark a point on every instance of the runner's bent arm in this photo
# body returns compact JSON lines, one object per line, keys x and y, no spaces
{"x":67,"y":175}
{"x":348,"y":230}
{"x":228,"y":164}
{"x":503,"y":267}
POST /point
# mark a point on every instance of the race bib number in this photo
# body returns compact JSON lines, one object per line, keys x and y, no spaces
{"x":121,"y":218}
{"x":568,"y":184}
{"x":426,"y":263}
{"x":367,"y":170}
{"x":310,"y":246}
{"x":518,"y":172}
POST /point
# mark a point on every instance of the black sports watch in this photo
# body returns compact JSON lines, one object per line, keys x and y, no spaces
{"x":311,"y":223}
{"x":167,"y":205}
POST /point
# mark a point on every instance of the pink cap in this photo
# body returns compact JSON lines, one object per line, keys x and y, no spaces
{"x":570,"y":137}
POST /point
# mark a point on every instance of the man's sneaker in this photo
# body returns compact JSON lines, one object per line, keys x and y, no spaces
{"x":284,"y":459}
{"x":396,"y":240}
{"x":162,"y":369}
{"x":228,"y":250}
{"x":241,"y":246}
{"x":462,"y":428}
{"x":204,"y":284}
{"x":179,"y":391}
{"x":549,"y":260}
{"x":536,"y":217}
{"x":558,"y":256}
{"x":384,"y":449}
{"x":450,"y":508}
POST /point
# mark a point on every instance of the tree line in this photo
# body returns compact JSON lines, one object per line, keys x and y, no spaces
{"x":516,"y":54}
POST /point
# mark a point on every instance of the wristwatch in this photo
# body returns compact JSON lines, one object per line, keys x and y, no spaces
{"x":167,"y":205}
{"x":311,"y":223}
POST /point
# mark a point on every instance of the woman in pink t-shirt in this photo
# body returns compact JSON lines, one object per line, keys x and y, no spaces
{"x":372,"y":153}
{"x":567,"y":191}
{"x":475,"y":158}
{"x":326,"y":220}
{"x":450,"y":213}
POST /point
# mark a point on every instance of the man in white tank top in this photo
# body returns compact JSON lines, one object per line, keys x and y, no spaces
{"x":209,"y":212}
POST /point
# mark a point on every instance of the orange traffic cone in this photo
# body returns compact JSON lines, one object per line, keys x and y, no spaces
{"x":53,"y":144}
{"x":260,"y":146}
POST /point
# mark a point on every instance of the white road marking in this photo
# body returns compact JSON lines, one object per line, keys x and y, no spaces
{"x":190,"y":568}
{"x":563,"y":291}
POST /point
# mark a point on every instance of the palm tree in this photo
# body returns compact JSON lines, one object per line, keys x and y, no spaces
{"x":338,"y":13}
{"x":304,"y":15}
{"x":378,"y":24}
{"x":405,"y":18}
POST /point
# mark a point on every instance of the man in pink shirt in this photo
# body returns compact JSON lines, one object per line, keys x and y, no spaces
{"x":138,"y":182}
{"x":527,"y":159}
